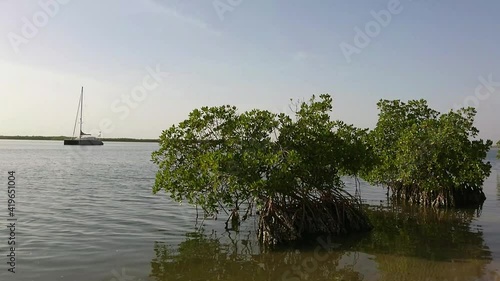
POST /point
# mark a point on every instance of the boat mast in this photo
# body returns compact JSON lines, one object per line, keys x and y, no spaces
{"x":81,"y":113}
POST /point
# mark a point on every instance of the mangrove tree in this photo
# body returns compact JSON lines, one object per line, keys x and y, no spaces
{"x":285,"y":168}
{"x":426,"y":157}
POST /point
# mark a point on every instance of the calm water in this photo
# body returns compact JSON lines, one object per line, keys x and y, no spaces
{"x":87,"y":213}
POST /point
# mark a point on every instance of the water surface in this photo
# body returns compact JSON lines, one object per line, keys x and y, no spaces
{"x":87,"y":213}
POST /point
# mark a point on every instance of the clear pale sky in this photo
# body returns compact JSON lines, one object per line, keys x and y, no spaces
{"x":254,"y":54}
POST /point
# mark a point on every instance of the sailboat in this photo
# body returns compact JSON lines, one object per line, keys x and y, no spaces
{"x":82,"y":138}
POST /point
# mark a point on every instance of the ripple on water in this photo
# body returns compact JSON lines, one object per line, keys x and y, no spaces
{"x":85,"y":214}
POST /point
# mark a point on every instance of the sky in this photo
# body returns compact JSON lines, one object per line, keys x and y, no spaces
{"x":145,"y":64}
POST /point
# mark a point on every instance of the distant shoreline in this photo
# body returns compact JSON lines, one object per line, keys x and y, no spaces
{"x":60,"y":138}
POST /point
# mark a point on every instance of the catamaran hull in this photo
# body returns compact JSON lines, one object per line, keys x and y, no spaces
{"x":83,"y":142}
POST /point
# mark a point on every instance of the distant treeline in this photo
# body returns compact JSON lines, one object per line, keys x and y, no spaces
{"x":64,"y":137}
{"x":128,"y":140}
{"x":103,"y":139}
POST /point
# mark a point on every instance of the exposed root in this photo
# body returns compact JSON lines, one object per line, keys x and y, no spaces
{"x":438,"y":198}
{"x":284,"y":219}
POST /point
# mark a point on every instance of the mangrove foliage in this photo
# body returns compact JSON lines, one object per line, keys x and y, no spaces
{"x":498,"y":145}
{"x":289,"y":169}
{"x":429,"y":158}
{"x":286,"y":168}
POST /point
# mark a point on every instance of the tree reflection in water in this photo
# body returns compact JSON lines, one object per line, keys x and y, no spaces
{"x":411,"y":243}
{"x":498,"y":186}
{"x":205,"y":257}
{"x":406,"y":244}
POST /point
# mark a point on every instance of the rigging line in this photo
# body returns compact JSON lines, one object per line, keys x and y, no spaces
{"x":76,"y":118}
{"x":81,"y":113}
